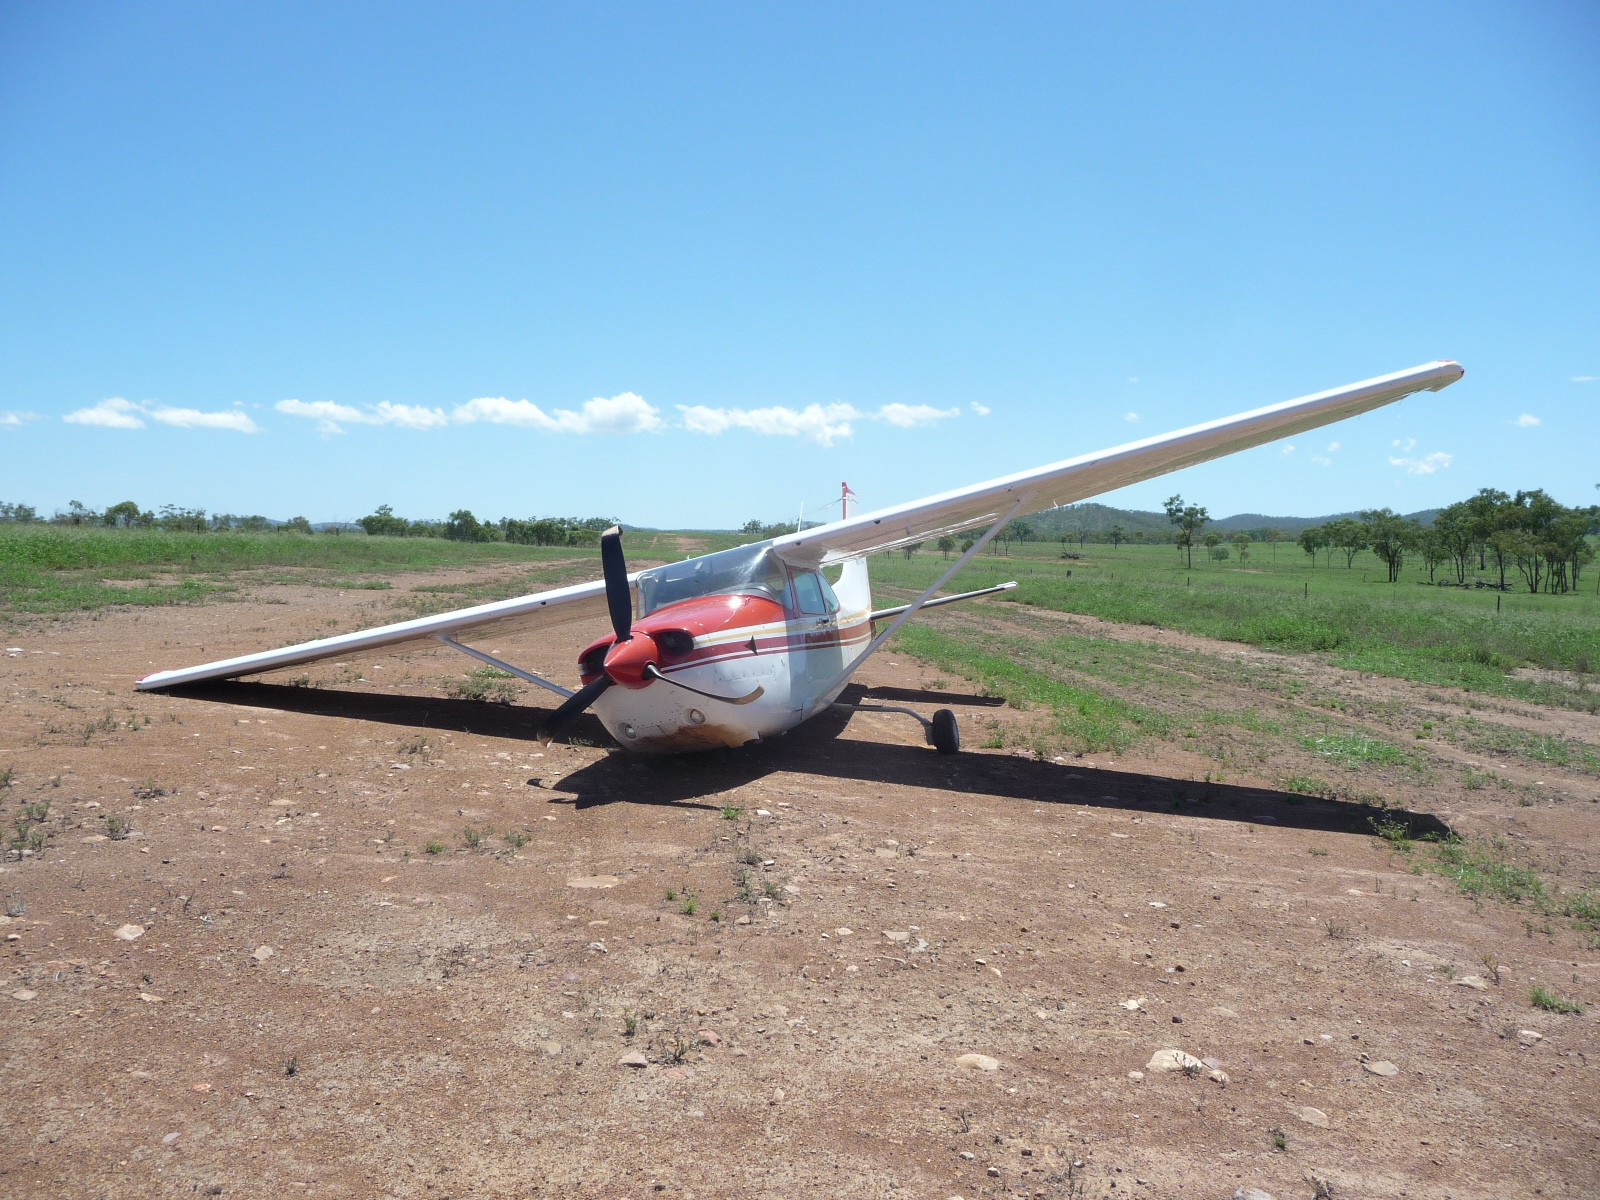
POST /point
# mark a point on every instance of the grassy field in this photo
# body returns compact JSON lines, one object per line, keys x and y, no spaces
{"x":1477,"y":639}
{"x":51,"y":569}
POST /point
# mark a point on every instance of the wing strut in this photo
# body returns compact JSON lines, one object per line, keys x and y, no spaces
{"x":916,"y":605}
{"x":504,"y":666}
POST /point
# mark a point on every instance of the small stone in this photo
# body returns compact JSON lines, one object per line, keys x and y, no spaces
{"x":129,"y":933}
{"x":777,"y":1093}
{"x":92,"y":838}
{"x":1472,"y":981}
{"x":170,"y":1138}
{"x":1132,"y":1005}
{"x":1252,"y":1194}
{"x":594,"y":881}
{"x":710,"y":1037}
{"x":1217,"y":1076}
{"x":201,"y":1087}
{"x":1382,"y":1067}
{"x":24,"y":994}
{"x":895,"y":935}
{"x":1136,"y":1076}
{"x":1313,"y":1116}
{"x":1308,"y":1041}
{"x":978,"y":1062}
{"x":883,"y":852}
{"x":148,"y":998}
{"x":742,"y":921}
{"x":844,"y":931}
{"x":1173,"y":1060}
{"x":994,"y":1172}
{"x":1220,"y":1011}
{"x":761,"y":812}
{"x":966,"y":1156}
{"x":549,"y":1049}
{"x":1530,"y":1035}
{"x":635,"y":1060}
{"x":1157,"y":904}
{"x":262,"y":953}
{"x":1176,"y":1019}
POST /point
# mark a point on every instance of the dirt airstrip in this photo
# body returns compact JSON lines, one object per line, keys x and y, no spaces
{"x":260,"y":955}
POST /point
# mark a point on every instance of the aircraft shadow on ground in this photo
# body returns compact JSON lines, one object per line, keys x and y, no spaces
{"x":816,"y":748}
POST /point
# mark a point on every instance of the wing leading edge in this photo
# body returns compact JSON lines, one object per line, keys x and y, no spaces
{"x":540,"y":610}
{"x":1091,"y":474}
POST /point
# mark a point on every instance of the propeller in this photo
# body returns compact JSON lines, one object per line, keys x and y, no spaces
{"x":618,"y":599}
{"x":619,"y":603}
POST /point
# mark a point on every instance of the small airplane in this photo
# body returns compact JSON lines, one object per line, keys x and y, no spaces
{"x":738,"y":646}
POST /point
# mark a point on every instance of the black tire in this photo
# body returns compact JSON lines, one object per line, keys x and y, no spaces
{"x":945,"y":734}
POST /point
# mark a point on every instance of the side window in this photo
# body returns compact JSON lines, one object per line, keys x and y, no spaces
{"x":809,"y":595}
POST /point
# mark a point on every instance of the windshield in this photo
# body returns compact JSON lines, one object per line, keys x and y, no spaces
{"x":749,"y":570}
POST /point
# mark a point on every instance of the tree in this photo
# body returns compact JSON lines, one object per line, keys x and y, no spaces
{"x":462,"y":526}
{"x":1347,"y":536}
{"x":1189,"y":518}
{"x":1453,"y":527}
{"x":123,"y":515}
{"x":1117,"y":536}
{"x":383,"y":523}
{"x":1241,"y":545}
{"x":297,"y":525}
{"x":1431,"y":545}
{"x":911,"y":548}
{"x":946,"y":544}
{"x":1312,"y":538}
{"x":1272,"y":537}
{"x":1390,"y":535}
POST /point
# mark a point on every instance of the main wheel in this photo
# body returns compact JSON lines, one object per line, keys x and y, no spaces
{"x":945,"y":734}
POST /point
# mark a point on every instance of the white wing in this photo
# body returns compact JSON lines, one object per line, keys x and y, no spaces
{"x":541,"y":610}
{"x":1078,"y":478}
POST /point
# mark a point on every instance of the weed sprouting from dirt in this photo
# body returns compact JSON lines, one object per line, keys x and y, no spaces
{"x":516,"y":838}
{"x":1356,"y":751}
{"x":485,"y":684}
{"x":1280,"y":1140}
{"x":1316,"y":852}
{"x":117,"y":828}
{"x":434,"y":846}
{"x":689,"y":905}
{"x":730,"y":813}
{"x":291,"y":1066}
{"x":1483,"y":868}
{"x":1308,"y":785}
{"x":474,"y":836}
{"x":1543,"y":997}
{"x":16,"y":906}
{"x":630,"y":1024}
{"x":149,"y":790}
{"x":8,"y":777}
{"x":750,"y":856}
{"x":1338,"y":933}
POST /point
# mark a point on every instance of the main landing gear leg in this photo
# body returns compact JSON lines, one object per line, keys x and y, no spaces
{"x":942,"y":733}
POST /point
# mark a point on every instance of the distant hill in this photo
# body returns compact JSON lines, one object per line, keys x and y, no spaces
{"x":1099,"y":518}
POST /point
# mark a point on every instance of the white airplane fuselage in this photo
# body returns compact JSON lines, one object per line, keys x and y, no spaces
{"x":789,"y":637}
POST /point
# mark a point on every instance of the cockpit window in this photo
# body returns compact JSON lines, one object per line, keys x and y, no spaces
{"x":748,"y":570}
{"x":814,"y":596}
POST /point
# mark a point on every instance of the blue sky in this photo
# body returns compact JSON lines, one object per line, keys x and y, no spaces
{"x":686,"y":265}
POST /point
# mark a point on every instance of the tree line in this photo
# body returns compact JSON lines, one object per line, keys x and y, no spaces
{"x":463,"y":526}
{"x":170,"y":519}
{"x":1528,"y":536}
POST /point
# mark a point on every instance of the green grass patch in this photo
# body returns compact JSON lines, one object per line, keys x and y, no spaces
{"x":1085,"y":721}
{"x":1543,"y":997}
{"x":1483,"y":868}
{"x":1308,"y":785}
{"x":1435,"y":635}
{"x":1355,"y":750}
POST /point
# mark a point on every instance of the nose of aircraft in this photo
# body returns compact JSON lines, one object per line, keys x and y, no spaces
{"x":626,"y":661}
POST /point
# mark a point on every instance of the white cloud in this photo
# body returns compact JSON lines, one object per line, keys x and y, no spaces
{"x":1406,"y":446}
{"x":982,"y":410}
{"x":1426,"y":465}
{"x":1333,"y":447}
{"x":193,"y":418}
{"x":626,"y":413}
{"x":1320,"y":461}
{"x":331,"y":417}
{"x":115,"y":413}
{"x":1133,"y":379}
{"x":820,"y":423}
{"x":1583,"y":379}
{"x":908,"y":416}
{"x":1527,"y":421}
{"x":326,"y":413}
{"x":1289,"y":449}
{"x":14,"y":420}
{"x":1132,"y":417}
